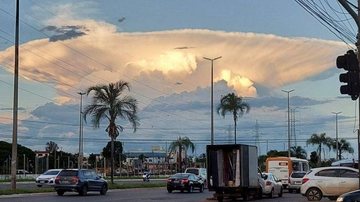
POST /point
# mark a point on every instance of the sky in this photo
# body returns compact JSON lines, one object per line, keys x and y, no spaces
{"x":158,"y":46}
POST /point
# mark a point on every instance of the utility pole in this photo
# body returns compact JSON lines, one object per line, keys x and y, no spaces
{"x":356,"y":17}
{"x":336,"y":134}
{"x":15,"y":104}
{"x":212,"y":96}
{"x":81,"y":143}
{"x":288,"y":116}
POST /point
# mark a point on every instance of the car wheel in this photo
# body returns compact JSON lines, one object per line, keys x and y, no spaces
{"x":103,"y":189}
{"x":169,"y":190}
{"x":313,"y":194}
{"x":281,"y":192}
{"x":201,"y":188}
{"x":83,"y":190}
{"x":271,"y":194}
{"x":290,"y":190}
{"x":60,"y":192}
{"x":191,"y":189}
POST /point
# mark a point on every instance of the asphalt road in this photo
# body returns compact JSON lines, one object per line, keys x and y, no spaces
{"x":139,"y":195}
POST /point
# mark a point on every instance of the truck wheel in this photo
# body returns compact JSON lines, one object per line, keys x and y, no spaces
{"x":313,"y":194}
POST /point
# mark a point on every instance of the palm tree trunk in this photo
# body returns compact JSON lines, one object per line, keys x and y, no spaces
{"x":235,"y":129}
{"x":112,"y":160}
{"x":180,"y":155}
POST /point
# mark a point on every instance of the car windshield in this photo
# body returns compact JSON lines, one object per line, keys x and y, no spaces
{"x":298,"y":175}
{"x":51,"y":172}
{"x":68,"y":173}
{"x":193,"y":171}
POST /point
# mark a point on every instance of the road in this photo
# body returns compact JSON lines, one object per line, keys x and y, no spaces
{"x":138,"y":195}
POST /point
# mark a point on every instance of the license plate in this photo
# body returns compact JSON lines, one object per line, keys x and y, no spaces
{"x":65,"y":182}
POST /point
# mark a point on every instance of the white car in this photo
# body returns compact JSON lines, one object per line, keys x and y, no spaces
{"x":329,"y":182}
{"x":295,"y":181}
{"x":270,"y":185}
{"x":47,"y":178}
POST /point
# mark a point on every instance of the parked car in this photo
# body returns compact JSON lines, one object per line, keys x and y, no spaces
{"x":81,"y":181}
{"x":270,"y":185}
{"x":47,"y":178}
{"x":200,"y":172}
{"x":329,"y":182}
{"x":295,"y":181}
{"x":352,"y":196}
{"x":185,"y":181}
{"x":22,"y":172}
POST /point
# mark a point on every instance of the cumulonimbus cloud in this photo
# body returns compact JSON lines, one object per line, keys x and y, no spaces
{"x":153,"y":63}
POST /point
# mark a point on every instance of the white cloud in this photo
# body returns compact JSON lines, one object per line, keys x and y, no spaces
{"x":150,"y":62}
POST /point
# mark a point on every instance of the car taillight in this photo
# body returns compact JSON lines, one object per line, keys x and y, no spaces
{"x":75,"y":180}
{"x":57,"y":180}
{"x":184,"y":181}
{"x":304,"y":180}
{"x":268,"y":183}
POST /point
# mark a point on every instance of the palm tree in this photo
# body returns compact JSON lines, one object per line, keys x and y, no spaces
{"x":343,"y":146}
{"x":52,"y":147}
{"x":110,"y":103}
{"x":320,"y":140}
{"x":181,"y":144}
{"x":298,"y":152}
{"x":233,"y":104}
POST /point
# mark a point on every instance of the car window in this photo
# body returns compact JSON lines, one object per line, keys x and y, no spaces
{"x":194,"y":171}
{"x":348,"y":173}
{"x":297,"y":175}
{"x":68,"y":173}
{"x":327,"y":173}
{"x":87,"y":174}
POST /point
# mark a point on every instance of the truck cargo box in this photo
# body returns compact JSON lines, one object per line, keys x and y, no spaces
{"x":232,"y":166}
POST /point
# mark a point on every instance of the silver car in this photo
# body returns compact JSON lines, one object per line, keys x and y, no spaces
{"x":47,"y":178}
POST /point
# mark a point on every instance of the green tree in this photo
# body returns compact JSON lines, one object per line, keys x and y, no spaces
{"x":180,"y":145}
{"x":298,"y":152}
{"x":343,"y":146}
{"x":118,"y":152}
{"x":109,"y":103}
{"x":52,"y":147}
{"x":320,"y":140}
{"x":233,"y":104}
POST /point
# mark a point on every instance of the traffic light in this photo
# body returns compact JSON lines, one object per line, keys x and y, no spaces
{"x":350,"y":63}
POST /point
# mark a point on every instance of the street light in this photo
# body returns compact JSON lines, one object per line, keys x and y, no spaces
{"x":212,"y":96}
{"x":336,"y":128}
{"x":288,"y":92}
{"x":81,"y":144}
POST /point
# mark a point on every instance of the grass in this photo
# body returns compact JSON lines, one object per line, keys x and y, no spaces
{"x":111,"y":186}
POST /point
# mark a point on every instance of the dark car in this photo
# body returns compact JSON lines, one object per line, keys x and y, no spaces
{"x":185,"y":181}
{"x":353,"y":196}
{"x":81,"y":181}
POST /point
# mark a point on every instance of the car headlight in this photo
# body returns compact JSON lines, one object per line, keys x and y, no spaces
{"x":340,"y":199}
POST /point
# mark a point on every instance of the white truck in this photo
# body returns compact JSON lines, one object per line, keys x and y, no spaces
{"x":232,"y":171}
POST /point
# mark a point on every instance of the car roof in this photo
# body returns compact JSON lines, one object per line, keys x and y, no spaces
{"x":334,"y":167}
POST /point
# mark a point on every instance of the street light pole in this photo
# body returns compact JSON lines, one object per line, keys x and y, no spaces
{"x":212,"y":96}
{"x":81,"y":144}
{"x":336,"y":136}
{"x":288,"y":92}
